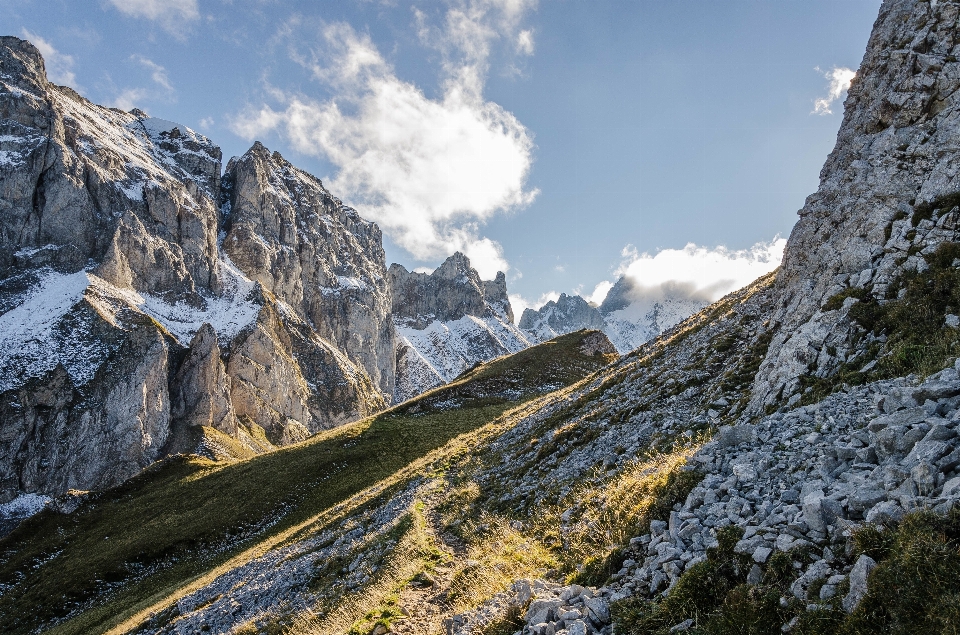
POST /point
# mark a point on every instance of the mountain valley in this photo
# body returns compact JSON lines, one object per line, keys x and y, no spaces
{"x":221,"y":412}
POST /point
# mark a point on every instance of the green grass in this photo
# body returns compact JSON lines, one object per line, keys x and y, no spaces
{"x":918,"y":340}
{"x":916,"y":585}
{"x":132,"y":545}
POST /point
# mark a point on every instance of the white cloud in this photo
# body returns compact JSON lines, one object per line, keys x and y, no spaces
{"x":697,"y":272}
{"x":206,"y":123}
{"x":518,"y":303}
{"x":429,"y":171}
{"x":59,"y":66}
{"x":599,"y":292}
{"x":157,"y":73}
{"x":128,"y":98}
{"x":840,"y":79}
{"x":525,"y":42}
{"x":171,"y":14}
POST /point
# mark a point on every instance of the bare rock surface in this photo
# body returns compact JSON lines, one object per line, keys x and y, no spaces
{"x":145,"y":297}
{"x":285,"y":231}
{"x":446,"y":322}
{"x":887,"y":195}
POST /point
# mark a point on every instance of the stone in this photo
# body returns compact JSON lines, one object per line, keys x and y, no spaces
{"x":761,"y":554}
{"x":598,"y":609}
{"x":885,"y":512}
{"x":936,"y":390}
{"x":924,"y":476}
{"x":729,"y":436}
{"x":542,"y":610}
{"x":863,"y":499}
{"x":745,"y":472}
{"x":858,"y":582}
{"x":951,"y":488}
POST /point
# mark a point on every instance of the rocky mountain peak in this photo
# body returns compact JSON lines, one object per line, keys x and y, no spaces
{"x":447,"y":321}
{"x":287,"y":232}
{"x":129,"y":332}
{"x":618,"y":297}
{"x":566,"y":314}
{"x":453,"y":290}
{"x":21,"y":63}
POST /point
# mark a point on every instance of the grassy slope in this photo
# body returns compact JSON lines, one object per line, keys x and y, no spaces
{"x":133,"y":545}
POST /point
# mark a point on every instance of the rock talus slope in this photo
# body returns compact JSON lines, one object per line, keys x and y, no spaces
{"x":126,"y":330}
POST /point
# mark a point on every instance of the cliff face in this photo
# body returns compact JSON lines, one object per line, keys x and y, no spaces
{"x":887,"y":195}
{"x":127,"y":333}
{"x":288,"y":233}
{"x":446,"y":322}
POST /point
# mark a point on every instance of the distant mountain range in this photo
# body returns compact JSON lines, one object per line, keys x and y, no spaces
{"x":627,"y":317}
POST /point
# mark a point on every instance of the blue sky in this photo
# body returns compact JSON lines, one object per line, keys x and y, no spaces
{"x":566,"y":142}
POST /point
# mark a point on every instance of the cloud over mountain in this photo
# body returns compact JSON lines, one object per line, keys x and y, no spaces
{"x":428,"y":170}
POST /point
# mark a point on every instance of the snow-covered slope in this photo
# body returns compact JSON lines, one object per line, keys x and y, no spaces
{"x":640,"y":322}
{"x":446,"y":322}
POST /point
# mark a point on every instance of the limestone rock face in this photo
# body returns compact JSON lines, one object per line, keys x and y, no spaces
{"x":292,"y":383}
{"x":452,"y":291}
{"x":79,"y":181}
{"x":446,"y":322}
{"x":288,"y":233}
{"x":887,"y":191}
{"x":52,"y":441}
{"x":125,"y":329}
{"x":201,"y":395}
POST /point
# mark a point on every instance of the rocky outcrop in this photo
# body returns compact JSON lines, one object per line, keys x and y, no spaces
{"x":887,"y":194}
{"x":127,"y":333}
{"x":446,"y":322}
{"x":202,"y":388}
{"x":451,"y":292}
{"x":285,"y":231}
{"x":55,"y":437}
{"x":290,"y":382}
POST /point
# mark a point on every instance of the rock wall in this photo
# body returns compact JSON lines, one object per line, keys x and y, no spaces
{"x":288,"y":233}
{"x":126,"y":331}
{"x":886,"y":196}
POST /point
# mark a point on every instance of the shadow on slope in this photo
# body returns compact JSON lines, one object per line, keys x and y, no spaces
{"x":131,"y":546}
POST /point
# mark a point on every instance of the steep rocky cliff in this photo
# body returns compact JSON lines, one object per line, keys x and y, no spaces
{"x":127,"y":333}
{"x":446,"y":322}
{"x":887,"y":198}
{"x":288,"y":233}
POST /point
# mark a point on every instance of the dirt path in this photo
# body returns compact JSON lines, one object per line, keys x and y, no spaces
{"x":426,"y":600}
